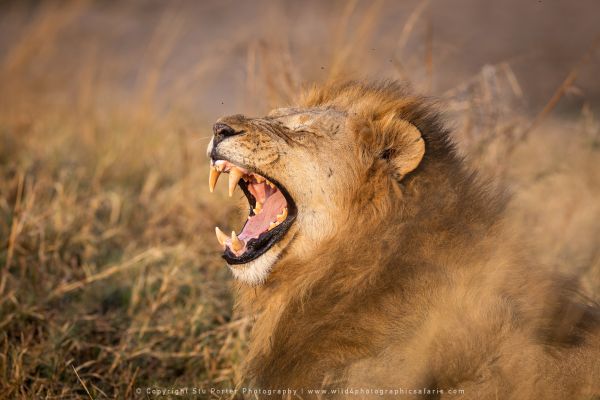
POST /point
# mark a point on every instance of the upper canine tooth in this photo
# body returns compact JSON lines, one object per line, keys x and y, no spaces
{"x":221,"y":237}
{"x":259,"y":178}
{"x":271,"y":184}
{"x":236,"y":244}
{"x":212,"y":178}
{"x":283,"y":215}
{"x":234,"y":176}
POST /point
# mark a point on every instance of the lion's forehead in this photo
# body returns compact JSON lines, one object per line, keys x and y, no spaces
{"x":298,"y":118}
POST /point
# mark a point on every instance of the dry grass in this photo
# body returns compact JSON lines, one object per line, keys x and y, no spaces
{"x":109,"y":274}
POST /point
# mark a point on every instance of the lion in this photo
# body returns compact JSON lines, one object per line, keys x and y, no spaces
{"x":374,"y":263}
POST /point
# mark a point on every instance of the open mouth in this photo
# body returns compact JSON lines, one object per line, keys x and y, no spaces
{"x":272,"y":212}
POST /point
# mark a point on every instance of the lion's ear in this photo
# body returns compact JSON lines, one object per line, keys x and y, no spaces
{"x":405,"y":147}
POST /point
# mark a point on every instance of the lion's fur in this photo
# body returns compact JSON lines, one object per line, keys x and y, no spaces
{"x":419,"y":284}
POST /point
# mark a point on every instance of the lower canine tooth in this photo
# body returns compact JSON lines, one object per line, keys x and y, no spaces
{"x":236,"y":244}
{"x":273,"y":225}
{"x":258,"y":208}
{"x":221,"y":237}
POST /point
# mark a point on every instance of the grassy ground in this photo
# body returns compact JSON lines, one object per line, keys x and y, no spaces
{"x":110,"y":278}
{"x":106,"y":263}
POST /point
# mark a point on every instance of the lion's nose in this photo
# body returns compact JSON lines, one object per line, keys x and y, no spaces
{"x":224,"y":130}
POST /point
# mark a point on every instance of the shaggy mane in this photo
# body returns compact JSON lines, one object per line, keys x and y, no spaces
{"x":425,"y":281}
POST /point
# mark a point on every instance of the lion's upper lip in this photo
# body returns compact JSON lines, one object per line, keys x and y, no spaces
{"x":271,"y":212}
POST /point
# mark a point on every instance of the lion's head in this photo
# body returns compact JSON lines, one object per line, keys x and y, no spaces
{"x":320,"y":170}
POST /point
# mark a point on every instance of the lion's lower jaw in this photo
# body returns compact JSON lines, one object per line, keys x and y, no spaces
{"x":256,"y":271}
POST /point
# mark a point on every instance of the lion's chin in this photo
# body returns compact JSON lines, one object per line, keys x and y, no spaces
{"x":255,"y":272}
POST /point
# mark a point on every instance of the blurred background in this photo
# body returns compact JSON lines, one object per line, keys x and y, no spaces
{"x":110,"y":274}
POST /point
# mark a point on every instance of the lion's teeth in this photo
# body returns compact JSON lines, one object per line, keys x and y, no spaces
{"x":271,"y":184}
{"x":258,"y":208}
{"x":221,"y":237}
{"x":283,"y":215}
{"x":236,"y":244}
{"x":219,"y":165}
{"x":259,"y":178}
{"x":213,"y":178}
{"x":280,"y":218}
{"x":234,"y":176}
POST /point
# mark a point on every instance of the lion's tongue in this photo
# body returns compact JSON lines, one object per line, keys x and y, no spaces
{"x":273,"y":203}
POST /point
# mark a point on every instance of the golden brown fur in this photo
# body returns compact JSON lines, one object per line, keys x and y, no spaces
{"x":413,"y":283}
